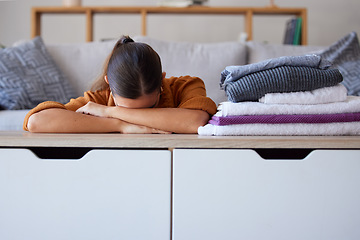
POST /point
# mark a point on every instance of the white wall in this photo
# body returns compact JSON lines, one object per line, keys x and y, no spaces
{"x":328,"y":21}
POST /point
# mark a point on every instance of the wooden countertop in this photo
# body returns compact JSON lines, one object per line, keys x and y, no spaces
{"x":170,"y":141}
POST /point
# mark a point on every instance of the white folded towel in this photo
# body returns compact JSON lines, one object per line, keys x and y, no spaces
{"x":351,"y":104}
{"x":329,"y":129}
{"x":332,"y":94}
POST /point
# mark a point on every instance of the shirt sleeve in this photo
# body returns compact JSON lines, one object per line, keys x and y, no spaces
{"x":191,"y":94}
{"x":100,"y":97}
{"x":40,"y":107}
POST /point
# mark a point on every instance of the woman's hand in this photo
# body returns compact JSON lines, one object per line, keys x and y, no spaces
{"x":94,"y":109}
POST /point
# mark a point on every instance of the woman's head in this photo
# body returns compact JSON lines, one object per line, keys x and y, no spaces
{"x":133,"y":71}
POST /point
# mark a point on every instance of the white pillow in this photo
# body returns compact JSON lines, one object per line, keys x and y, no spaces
{"x":12,"y":120}
{"x":204,"y":60}
{"x":260,"y":51}
{"x":82,"y":63}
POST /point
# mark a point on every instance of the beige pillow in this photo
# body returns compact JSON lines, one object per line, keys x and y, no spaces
{"x":260,"y":51}
{"x":82,"y":63}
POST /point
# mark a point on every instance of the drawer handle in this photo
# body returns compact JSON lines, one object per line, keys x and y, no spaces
{"x":288,"y":154}
{"x":59,"y":152}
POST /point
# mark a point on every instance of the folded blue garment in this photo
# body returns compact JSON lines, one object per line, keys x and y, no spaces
{"x":233,"y":73}
{"x":279,"y":80}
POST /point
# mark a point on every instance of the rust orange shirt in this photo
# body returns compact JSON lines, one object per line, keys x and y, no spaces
{"x":178,"y":92}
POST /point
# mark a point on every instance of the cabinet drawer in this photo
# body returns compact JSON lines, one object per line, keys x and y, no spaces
{"x":236,"y":194}
{"x":107,"y":194}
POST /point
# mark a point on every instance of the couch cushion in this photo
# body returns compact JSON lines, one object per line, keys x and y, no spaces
{"x":260,"y":51}
{"x":204,"y":60}
{"x":344,"y":54}
{"x":12,"y":120}
{"x":28,"y":76}
{"x":82,"y":63}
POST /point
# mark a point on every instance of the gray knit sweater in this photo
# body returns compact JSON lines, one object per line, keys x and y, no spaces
{"x":281,"y":79}
{"x":233,"y":73}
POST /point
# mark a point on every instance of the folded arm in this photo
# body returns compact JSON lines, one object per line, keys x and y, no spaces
{"x":177,"y":120}
{"x":65,"y":121}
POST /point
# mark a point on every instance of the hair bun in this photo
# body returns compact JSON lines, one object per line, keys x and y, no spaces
{"x":123,"y":40}
{"x":126,"y":39}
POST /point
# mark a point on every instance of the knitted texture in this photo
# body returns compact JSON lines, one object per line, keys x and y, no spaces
{"x":279,"y":119}
{"x":233,"y":73}
{"x":345,"y":56}
{"x":281,"y":79}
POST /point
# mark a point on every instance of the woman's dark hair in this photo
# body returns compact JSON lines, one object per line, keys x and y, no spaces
{"x":133,"y":69}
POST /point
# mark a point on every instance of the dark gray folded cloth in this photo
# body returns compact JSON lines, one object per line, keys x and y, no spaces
{"x":233,"y":73}
{"x":278,"y":80}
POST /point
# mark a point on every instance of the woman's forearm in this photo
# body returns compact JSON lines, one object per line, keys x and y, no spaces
{"x":65,"y":121}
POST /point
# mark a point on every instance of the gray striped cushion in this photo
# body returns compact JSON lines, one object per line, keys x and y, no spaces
{"x":345,"y":56}
{"x":29,"y":76}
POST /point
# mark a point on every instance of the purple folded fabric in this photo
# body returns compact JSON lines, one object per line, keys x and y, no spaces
{"x":278,"y":119}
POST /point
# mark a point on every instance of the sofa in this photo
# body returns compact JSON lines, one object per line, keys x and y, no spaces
{"x":76,"y":66}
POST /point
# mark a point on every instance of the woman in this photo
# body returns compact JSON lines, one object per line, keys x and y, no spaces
{"x":132,"y":96}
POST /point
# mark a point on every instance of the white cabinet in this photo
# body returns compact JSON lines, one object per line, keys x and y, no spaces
{"x":217,"y":194}
{"x":236,"y":194}
{"x":107,"y":194}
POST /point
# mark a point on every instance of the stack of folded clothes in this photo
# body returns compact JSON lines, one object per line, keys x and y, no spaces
{"x":285,"y":96}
